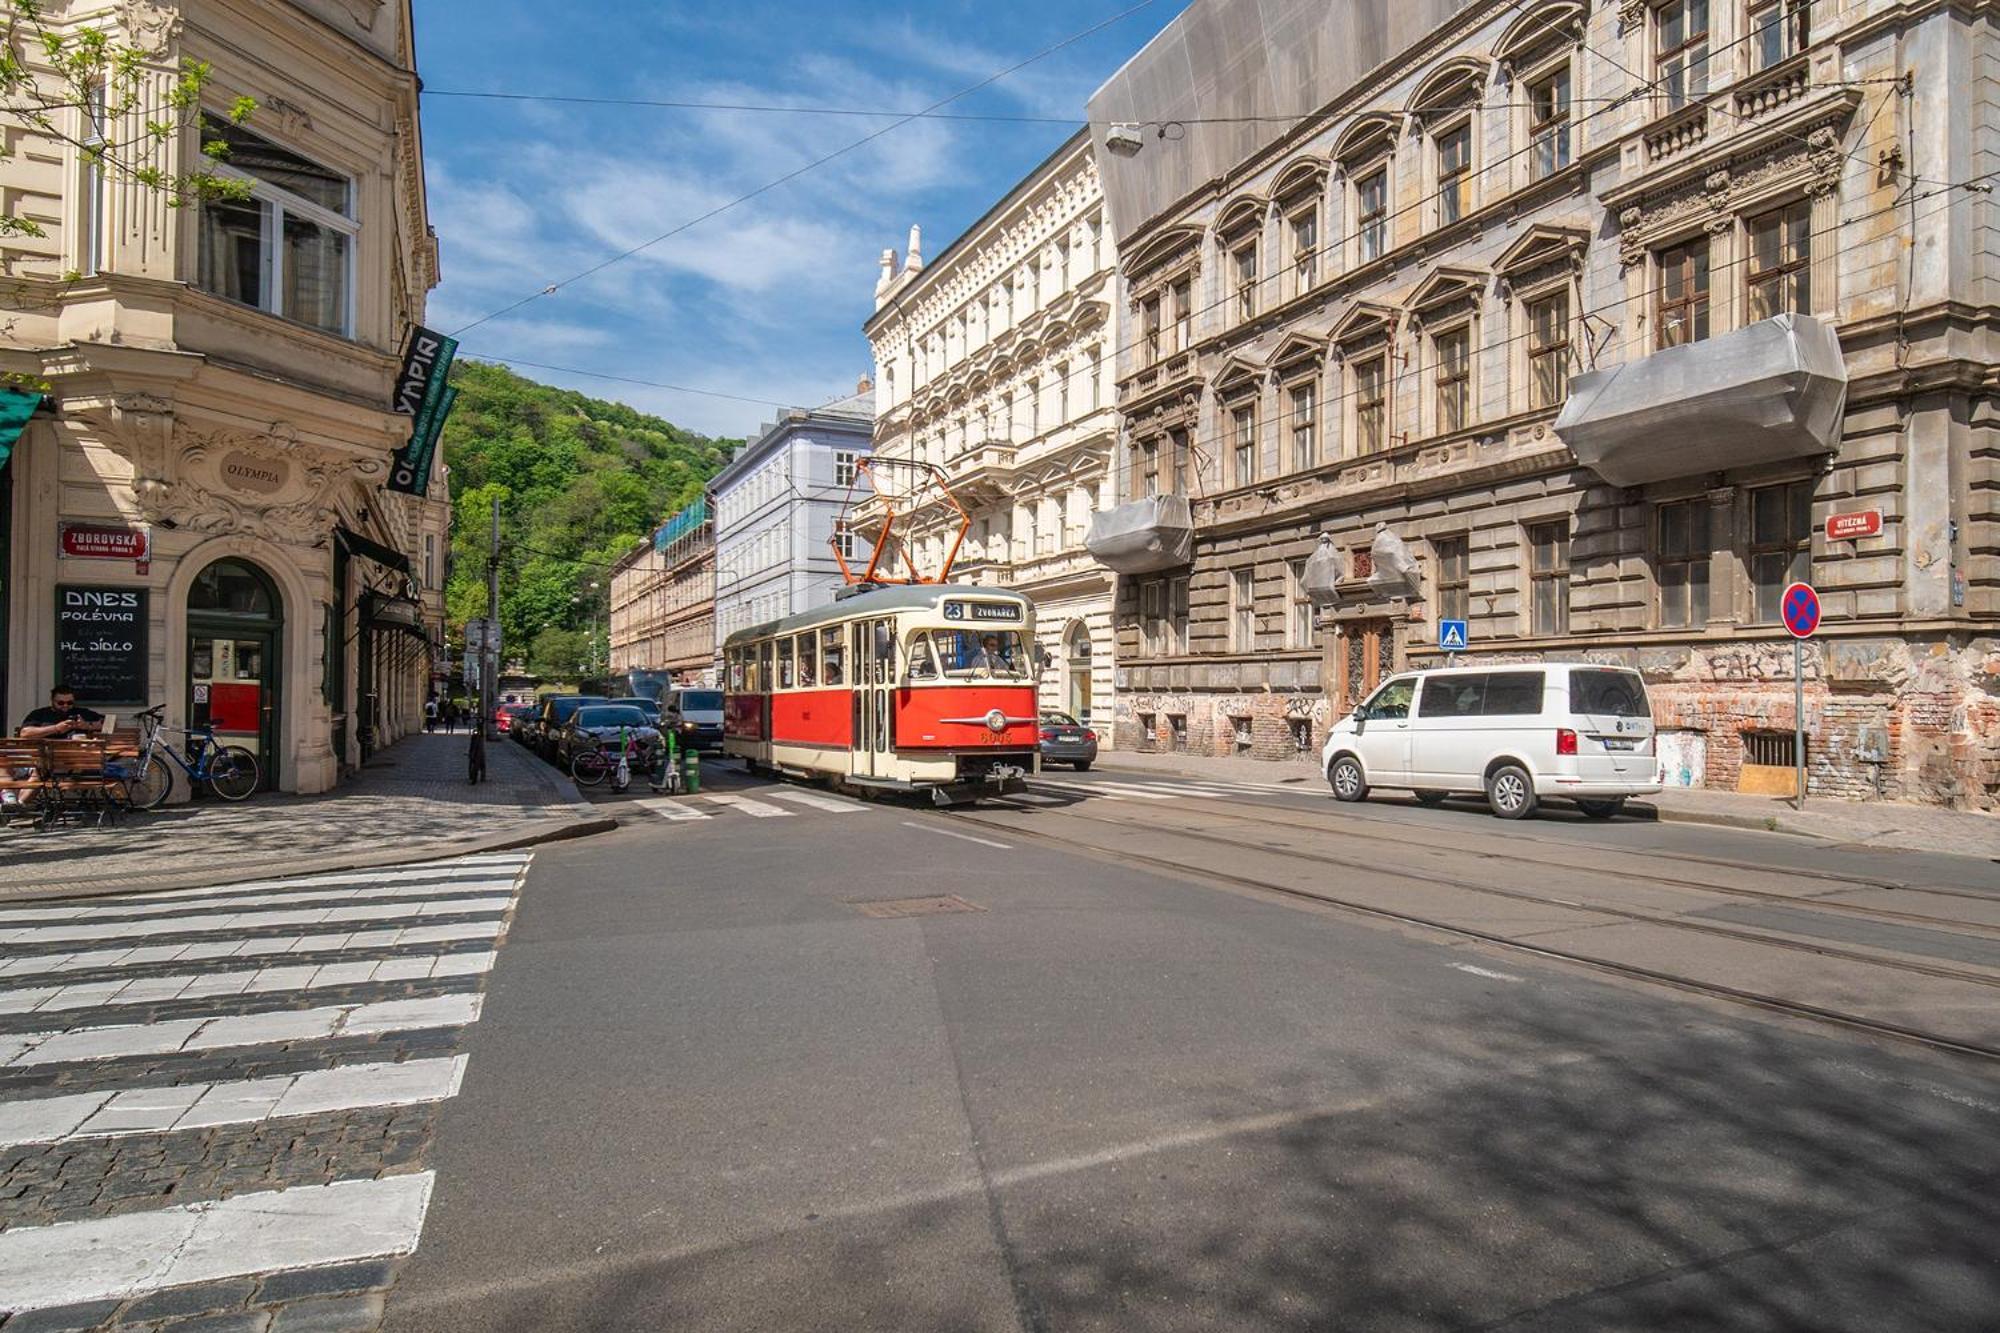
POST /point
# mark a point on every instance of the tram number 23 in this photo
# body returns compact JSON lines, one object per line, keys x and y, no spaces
{"x":981,"y":611}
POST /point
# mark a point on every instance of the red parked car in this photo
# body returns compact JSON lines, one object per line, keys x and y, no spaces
{"x":506,"y":715}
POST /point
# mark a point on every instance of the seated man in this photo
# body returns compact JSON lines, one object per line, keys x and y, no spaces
{"x":61,"y":720}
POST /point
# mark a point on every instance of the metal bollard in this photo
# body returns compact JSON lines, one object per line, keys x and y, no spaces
{"x":693,"y":768}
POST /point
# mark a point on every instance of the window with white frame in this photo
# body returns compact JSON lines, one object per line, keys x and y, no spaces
{"x":1371,"y":214}
{"x":1549,"y":122}
{"x":1062,"y":393}
{"x":846,"y":467}
{"x":289,"y":247}
{"x":1305,"y":426}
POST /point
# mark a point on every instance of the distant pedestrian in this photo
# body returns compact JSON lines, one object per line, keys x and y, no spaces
{"x":451,"y":717}
{"x":431,"y":713}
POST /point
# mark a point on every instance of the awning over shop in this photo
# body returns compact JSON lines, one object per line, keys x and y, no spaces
{"x":356,"y":544}
{"x":1764,"y":394}
{"x":16,"y":406}
{"x":1143,"y":536}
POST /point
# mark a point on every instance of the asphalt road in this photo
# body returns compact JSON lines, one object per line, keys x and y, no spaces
{"x":711,"y":1092}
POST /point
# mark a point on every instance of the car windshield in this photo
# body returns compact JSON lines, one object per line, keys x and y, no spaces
{"x":967,"y":654}
{"x":618,"y":715}
{"x":646,"y":706}
{"x":701,"y":701}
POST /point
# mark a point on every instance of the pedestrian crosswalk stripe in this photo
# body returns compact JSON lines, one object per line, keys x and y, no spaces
{"x":107,"y":960}
{"x":1032,"y":798}
{"x":114,"y":1112}
{"x":213,"y":923}
{"x":508,"y":869}
{"x":206,"y":1034}
{"x":667,"y":808}
{"x":303,"y":898}
{"x":129,"y":1254}
{"x":817,"y":800}
{"x":252,"y":981}
{"x":1132,"y":789}
{"x":749,"y":807}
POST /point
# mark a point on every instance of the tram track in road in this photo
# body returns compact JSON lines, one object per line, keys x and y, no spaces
{"x":1341,"y":823}
{"x":1183,"y":868}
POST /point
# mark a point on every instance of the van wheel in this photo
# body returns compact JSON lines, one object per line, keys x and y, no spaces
{"x":1606,"y":809}
{"x":1511,"y":792}
{"x":1431,"y":798}
{"x":1347,"y":780}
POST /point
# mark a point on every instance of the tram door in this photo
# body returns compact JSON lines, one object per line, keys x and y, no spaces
{"x":874,"y":652}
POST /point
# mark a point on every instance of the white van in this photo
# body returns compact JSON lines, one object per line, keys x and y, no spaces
{"x":1518,"y":734}
{"x":700,"y":708}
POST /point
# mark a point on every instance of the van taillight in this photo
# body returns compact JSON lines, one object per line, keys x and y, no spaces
{"x":1565,"y":741}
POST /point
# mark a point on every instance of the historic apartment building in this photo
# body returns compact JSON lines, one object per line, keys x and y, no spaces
{"x":204,"y":480}
{"x":778,"y":506}
{"x":994,"y":363}
{"x":1617,"y":318}
{"x":663,"y":600}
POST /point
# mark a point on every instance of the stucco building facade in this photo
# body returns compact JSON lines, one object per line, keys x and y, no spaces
{"x":994,"y":363}
{"x":1609,"y":315}
{"x":663,"y":600}
{"x":212,"y":451}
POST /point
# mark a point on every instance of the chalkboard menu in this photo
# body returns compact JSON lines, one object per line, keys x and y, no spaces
{"x":101,"y":642}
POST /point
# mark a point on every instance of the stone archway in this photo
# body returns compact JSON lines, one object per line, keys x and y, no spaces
{"x":1077,"y":671}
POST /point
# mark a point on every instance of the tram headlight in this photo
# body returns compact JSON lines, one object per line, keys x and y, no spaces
{"x":996,"y":721}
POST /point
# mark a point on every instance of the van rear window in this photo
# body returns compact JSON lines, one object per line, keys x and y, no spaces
{"x":1611,"y":693}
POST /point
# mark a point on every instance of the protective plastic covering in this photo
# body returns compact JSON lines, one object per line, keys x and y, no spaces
{"x":1321,"y":580}
{"x":1143,"y":536}
{"x":1395,"y":573}
{"x":1769,"y":393}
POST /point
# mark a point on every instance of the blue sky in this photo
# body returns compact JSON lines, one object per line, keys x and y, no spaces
{"x":766,"y":300}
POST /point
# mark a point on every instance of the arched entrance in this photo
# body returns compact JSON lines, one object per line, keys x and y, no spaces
{"x":235,"y":630}
{"x":1076,"y":665}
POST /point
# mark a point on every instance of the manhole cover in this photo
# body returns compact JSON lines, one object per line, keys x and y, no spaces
{"x":895,"y":907}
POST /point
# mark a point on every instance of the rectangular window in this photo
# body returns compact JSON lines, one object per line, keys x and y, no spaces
{"x":1454,"y":378}
{"x":430,"y":561}
{"x":1148,"y":459}
{"x":1305,"y":428}
{"x":1452,"y":694}
{"x":1513,"y":694}
{"x":1454,"y":168}
{"x":1680,"y":67}
{"x":1246,"y":281}
{"x":1151,"y":615}
{"x":808,"y":660}
{"x":1062,"y":393}
{"x":1149,"y":324}
{"x":1371,"y":212}
{"x":843,"y":539}
{"x":1096,"y":380}
{"x":1183,"y":315}
{"x":833,"y":654}
{"x":289,"y":248}
{"x":1243,"y":443}
{"x":90,"y":221}
{"x":1371,"y":404}
{"x":785,"y":663}
{"x":1780,"y":544}
{"x":1177,"y":617}
{"x":1034,"y":408}
{"x":1305,"y":249}
{"x":1454,"y":578}
{"x":846,"y":467}
{"x":1548,"y":349}
{"x":1683,"y":294}
{"x":1299,"y":624}
{"x":1548,"y":123}
{"x":1778,"y":31}
{"x":1682,"y":549}
{"x":1548,"y":576}
{"x":1243,"y":611}
{"x":1781,"y":262}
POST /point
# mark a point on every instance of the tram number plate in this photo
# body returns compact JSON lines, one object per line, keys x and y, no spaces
{"x":981,"y":611}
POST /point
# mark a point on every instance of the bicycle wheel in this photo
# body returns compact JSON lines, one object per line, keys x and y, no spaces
{"x":232,"y":772}
{"x":589,"y":767}
{"x":147,"y":788}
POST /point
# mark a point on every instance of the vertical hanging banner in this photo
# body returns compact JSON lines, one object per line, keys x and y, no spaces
{"x":422,"y":395}
{"x":16,"y":406}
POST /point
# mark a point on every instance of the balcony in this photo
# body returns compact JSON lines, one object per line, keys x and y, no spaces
{"x":1770,"y":89}
{"x":1676,"y":133}
{"x":1144,"y":535}
{"x":1769,"y":393}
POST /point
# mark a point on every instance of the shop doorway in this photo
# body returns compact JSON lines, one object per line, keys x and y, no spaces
{"x":1366,"y":657}
{"x":235,"y":624}
{"x":1076,"y":652}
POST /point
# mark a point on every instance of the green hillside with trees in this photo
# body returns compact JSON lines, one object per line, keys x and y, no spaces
{"x":579,"y":480}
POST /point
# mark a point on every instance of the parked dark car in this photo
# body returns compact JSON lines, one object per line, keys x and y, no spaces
{"x":1067,"y":741}
{"x":598,"y":725}
{"x":555,"y":714}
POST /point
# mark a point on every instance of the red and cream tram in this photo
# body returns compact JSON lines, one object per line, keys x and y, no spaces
{"x":924,"y":687}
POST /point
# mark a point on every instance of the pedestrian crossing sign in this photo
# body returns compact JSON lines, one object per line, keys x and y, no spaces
{"x":1451,"y":636}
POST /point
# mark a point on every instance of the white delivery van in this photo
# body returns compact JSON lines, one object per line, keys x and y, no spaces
{"x":700,"y":708}
{"x":1517,"y":734}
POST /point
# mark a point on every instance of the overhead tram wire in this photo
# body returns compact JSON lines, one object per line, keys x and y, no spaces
{"x":625,"y":379}
{"x":794,"y":174}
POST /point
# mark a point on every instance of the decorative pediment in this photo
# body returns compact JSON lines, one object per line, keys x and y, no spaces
{"x":1164,"y":251}
{"x":1540,"y":31}
{"x":1454,"y":86}
{"x":1365,"y":139}
{"x":1302,"y":176}
{"x":1446,"y":285}
{"x":1541,"y":246}
{"x":1243,"y":216}
{"x":1362,"y":321}
{"x":1238,"y":374}
{"x":1296,"y":349}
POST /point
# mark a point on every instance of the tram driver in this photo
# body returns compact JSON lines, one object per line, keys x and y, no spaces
{"x":990,"y":656}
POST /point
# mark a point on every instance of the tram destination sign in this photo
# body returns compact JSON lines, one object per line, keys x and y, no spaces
{"x":1002,"y":611}
{"x":101,"y":642}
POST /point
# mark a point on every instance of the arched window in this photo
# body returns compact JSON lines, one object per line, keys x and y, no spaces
{"x":234,"y":587}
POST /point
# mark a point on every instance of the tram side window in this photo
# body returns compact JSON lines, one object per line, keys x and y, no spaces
{"x":736,"y":670}
{"x":885,"y":652}
{"x":832,"y":651}
{"x":762,"y":683}
{"x":923,"y":666}
{"x":808,"y":659}
{"x":785,"y":663}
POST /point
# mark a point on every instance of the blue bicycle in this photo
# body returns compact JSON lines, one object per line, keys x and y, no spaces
{"x":230,"y":771}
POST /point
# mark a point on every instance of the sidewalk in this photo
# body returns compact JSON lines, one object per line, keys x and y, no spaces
{"x":1922,"y":828}
{"x":410,"y":802}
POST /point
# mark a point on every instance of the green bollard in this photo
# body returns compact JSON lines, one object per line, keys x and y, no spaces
{"x":692,"y":756}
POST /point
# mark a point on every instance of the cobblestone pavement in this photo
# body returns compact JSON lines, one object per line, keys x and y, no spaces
{"x":410,"y":800}
{"x":215,"y":1106}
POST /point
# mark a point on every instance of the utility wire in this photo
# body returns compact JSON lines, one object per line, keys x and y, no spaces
{"x":794,"y":174}
{"x":625,"y":379}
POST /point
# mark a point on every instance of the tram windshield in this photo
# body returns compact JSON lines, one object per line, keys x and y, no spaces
{"x":970,"y":654}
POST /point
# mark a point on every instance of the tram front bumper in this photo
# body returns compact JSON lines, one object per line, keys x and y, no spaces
{"x":994,"y":780}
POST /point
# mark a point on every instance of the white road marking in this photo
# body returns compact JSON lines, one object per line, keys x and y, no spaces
{"x":817,"y":800}
{"x":100,"y":960}
{"x":308,"y":916}
{"x":1080,"y":788}
{"x":209,"y":902}
{"x":748,"y":806}
{"x":1132,"y":789}
{"x":1031,"y":798}
{"x":108,"y":1114}
{"x":963,"y":837}
{"x":254,"y":981}
{"x":1483,"y":972}
{"x":306,"y":1226}
{"x":504,"y":867}
{"x":215,"y":1033}
{"x":668,"y":808}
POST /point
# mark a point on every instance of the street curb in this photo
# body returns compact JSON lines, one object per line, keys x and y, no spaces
{"x":326,"y":865}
